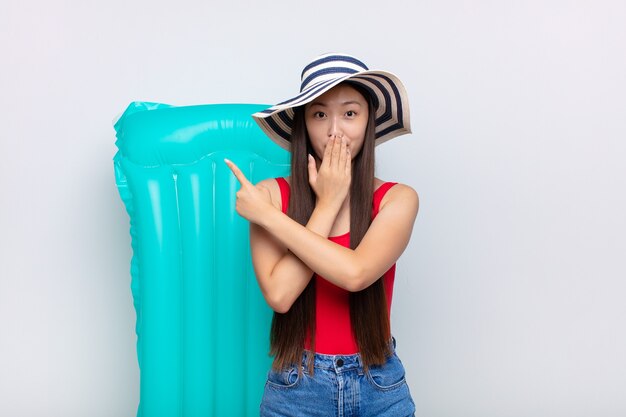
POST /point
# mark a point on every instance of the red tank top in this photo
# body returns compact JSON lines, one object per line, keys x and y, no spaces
{"x":333,"y":330}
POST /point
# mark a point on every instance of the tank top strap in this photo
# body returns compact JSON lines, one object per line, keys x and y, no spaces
{"x":284,"y":193}
{"x":378,"y":196}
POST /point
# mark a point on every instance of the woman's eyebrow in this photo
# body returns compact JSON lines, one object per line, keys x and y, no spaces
{"x":345,"y":103}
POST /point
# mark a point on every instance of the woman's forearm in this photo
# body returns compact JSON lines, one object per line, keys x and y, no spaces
{"x":334,"y":262}
{"x":290,"y":276}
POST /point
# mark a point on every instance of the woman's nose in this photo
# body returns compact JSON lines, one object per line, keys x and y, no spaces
{"x":334,"y":129}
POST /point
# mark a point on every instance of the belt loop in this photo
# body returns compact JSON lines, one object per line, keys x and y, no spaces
{"x":359,"y":362}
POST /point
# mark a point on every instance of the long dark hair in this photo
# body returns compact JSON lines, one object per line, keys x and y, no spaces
{"x":368,"y":308}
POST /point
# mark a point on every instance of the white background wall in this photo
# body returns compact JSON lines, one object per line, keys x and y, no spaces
{"x":510,"y":298}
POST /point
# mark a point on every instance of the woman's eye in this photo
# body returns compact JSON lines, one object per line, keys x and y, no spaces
{"x":350,"y":113}
{"x":318,"y":115}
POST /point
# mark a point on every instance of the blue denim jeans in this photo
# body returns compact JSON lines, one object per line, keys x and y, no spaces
{"x":338,"y":387}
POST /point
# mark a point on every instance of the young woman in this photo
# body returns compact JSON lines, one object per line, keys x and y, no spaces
{"x":325,"y":242}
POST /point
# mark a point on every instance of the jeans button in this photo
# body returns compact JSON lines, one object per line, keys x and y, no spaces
{"x":339,"y":362}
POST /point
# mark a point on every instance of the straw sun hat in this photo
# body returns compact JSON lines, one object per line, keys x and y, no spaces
{"x":326,"y":71}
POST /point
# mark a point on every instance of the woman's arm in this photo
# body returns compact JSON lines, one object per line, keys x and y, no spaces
{"x":282,"y":276}
{"x":353,"y":270}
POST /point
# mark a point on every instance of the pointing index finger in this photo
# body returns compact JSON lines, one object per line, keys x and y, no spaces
{"x":237,"y":172}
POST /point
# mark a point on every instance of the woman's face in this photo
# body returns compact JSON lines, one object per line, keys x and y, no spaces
{"x":341,"y":110}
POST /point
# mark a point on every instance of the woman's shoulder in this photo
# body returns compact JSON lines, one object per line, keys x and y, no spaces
{"x":397,"y":192}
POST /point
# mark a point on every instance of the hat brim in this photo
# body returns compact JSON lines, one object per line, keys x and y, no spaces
{"x":390,"y":99}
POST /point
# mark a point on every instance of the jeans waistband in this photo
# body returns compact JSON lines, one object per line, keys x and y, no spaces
{"x":338,"y":362}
